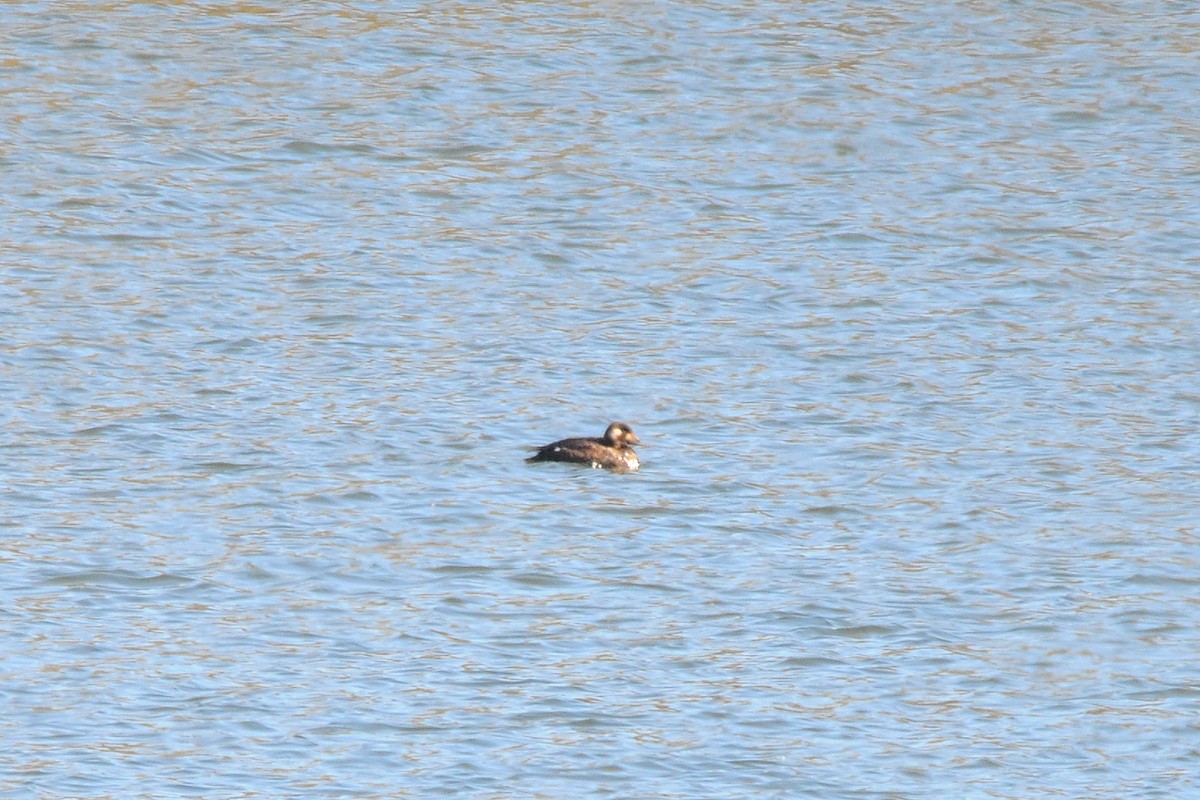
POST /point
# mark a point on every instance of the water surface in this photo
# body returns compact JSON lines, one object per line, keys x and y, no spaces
{"x":901,"y":301}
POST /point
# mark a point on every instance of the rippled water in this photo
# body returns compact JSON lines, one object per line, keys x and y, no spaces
{"x":900,"y":298}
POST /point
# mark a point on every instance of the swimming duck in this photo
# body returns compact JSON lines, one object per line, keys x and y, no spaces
{"x":611,"y":451}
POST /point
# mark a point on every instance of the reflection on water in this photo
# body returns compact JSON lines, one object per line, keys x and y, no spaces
{"x":899,"y":303}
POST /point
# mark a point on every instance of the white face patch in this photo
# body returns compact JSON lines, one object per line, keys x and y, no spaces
{"x":558,"y":449}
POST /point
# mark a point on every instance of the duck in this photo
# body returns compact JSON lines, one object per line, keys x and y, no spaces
{"x":610,"y":451}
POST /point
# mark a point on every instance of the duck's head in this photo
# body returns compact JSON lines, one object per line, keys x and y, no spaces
{"x":620,"y":435}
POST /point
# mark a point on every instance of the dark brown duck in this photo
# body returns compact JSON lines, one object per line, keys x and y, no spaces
{"x":611,"y":451}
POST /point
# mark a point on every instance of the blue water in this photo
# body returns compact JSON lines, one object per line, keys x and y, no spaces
{"x":900,"y":302}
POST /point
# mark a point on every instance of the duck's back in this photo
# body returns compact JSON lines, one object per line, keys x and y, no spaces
{"x":592,"y":452}
{"x":577,"y":450}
